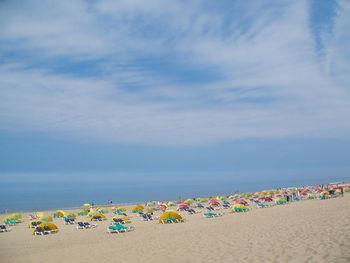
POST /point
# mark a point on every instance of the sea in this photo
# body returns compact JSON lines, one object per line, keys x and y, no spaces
{"x":37,"y":192}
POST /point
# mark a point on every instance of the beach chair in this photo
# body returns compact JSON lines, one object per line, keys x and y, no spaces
{"x":208,"y":215}
{"x":48,"y":230}
{"x":122,"y":228}
{"x":166,"y":220}
{"x":88,"y":225}
{"x":112,"y":229}
{"x":4,"y":228}
{"x":40,"y":231}
{"x":80,"y":225}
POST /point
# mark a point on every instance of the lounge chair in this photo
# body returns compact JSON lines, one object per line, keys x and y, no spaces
{"x":88,"y":225}
{"x":80,"y":225}
{"x":48,"y":230}
{"x":112,"y":229}
{"x":122,"y":228}
{"x":4,"y":228}
{"x":40,"y":231}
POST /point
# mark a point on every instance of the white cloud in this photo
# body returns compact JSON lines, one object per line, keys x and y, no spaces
{"x":269,"y":81}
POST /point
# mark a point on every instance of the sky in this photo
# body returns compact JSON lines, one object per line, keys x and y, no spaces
{"x":154,"y":86}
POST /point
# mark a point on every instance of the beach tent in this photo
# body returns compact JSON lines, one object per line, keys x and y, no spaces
{"x":168,"y":215}
{"x":52,"y":227}
{"x":137,"y":208}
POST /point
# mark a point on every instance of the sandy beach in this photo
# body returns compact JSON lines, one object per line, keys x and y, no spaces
{"x":304,"y":231}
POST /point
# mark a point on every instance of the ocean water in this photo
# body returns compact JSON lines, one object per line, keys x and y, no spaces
{"x":32,"y":193}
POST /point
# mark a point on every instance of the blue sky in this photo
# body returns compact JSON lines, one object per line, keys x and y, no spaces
{"x":161,"y":86}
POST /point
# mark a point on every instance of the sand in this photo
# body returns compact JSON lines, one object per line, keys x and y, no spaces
{"x":304,"y":231}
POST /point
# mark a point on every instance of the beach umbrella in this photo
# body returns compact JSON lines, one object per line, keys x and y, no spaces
{"x":149,"y":211}
{"x":120,"y":208}
{"x":239,"y":207}
{"x":214,"y":203}
{"x":82,"y":212}
{"x":16,"y":215}
{"x":34,"y":223}
{"x":102,"y":210}
{"x":58,"y":213}
{"x":171,"y":203}
{"x":72,"y":215}
{"x":169,"y":214}
{"x":46,"y":218}
{"x":126,"y":219}
{"x":189,"y":201}
{"x":40,"y":214}
{"x":86,"y":205}
{"x":49,"y":225}
{"x":182,"y":207}
{"x":137,"y":208}
{"x":98,"y":215}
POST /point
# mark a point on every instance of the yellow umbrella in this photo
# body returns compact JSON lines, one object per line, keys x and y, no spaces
{"x":82,"y":211}
{"x":239,"y":206}
{"x":52,"y":227}
{"x":124,"y":218}
{"x":137,"y":208}
{"x":169,"y":214}
{"x":121,"y":208}
{"x":40,"y":214}
{"x":34,"y":221}
{"x":72,"y":215}
{"x":98,"y":214}
{"x":46,"y":218}
{"x":189,"y":201}
{"x":86,"y":204}
{"x":59,"y":212}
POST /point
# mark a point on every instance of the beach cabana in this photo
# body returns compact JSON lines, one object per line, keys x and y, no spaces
{"x":137,"y":208}
{"x":170,"y":217}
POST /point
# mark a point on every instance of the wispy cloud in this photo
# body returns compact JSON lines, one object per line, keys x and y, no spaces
{"x":172,"y":74}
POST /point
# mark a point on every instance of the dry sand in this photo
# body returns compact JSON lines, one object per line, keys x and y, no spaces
{"x":305,"y":231}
